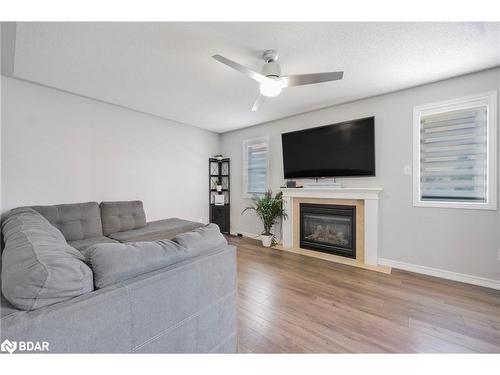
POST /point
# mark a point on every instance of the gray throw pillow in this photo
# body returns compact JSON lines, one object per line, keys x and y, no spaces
{"x":122,"y":216}
{"x":38,"y":267}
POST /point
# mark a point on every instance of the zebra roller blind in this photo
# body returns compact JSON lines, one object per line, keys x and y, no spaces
{"x":453,"y":156}
{"x":256,"y":165}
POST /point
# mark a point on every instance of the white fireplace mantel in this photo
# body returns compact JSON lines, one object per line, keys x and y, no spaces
{"x":370,"y":196}
{"x":332,"y":193}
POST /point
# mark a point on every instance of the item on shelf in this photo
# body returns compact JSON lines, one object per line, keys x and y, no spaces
{"x":219,"y":200}
{"x":291,"y":184}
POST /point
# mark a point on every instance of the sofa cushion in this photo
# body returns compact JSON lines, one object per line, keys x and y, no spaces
{"x":6,"y":307}
{"x":122,"y":216}
{"x":83,"y":244}
{"x":112,"y":263}
{"x":157,"y":230}
{"x":76,"y":221}
{"x":38,"y":267}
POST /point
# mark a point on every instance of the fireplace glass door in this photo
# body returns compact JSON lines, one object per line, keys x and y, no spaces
{"x":328,"y":228}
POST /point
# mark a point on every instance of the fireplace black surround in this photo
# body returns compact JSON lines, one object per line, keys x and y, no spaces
{"x":328,"y":228}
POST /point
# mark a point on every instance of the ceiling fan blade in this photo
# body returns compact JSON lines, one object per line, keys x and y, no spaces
{"x":308,"y":79}
{"x":260,"y":99}
{"x":242,"y":69}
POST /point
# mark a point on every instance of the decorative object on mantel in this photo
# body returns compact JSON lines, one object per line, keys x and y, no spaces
{"x":323,"y":183}
{"x":269,"y":209}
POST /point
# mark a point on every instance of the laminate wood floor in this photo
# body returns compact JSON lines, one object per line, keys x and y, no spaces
{"x":290,"y":303}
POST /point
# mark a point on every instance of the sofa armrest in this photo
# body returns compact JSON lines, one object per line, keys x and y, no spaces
{"x":188,"y":307}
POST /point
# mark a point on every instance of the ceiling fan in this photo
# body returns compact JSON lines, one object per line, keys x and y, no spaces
{"x":271,"y":82}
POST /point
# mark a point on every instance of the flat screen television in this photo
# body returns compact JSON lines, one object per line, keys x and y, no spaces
{"x":337,"y":150}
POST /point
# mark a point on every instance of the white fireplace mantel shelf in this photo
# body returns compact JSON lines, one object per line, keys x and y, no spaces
{"x":334,"y":193}
{"x":370,"y":196}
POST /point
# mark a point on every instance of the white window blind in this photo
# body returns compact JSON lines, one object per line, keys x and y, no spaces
{"x":455,"y":153}
{"x":255,"y":173}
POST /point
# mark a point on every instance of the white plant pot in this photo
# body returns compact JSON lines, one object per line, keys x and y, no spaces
{"x":266,"y":240}
{"x":219,"y":187}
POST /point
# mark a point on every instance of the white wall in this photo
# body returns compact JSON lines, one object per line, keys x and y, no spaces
{"x":62,"y":148}
{"x":458,"y":240}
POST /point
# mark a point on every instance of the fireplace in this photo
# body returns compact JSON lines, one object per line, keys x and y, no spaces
{"x":328,"y":228}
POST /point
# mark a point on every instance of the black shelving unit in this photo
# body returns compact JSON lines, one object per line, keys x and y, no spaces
{"x":219,"y":171}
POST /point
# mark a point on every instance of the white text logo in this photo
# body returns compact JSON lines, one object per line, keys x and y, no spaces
{"x":24,"y":346}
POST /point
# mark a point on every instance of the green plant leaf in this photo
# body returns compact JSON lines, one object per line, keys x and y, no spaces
{"x":268,"y":208}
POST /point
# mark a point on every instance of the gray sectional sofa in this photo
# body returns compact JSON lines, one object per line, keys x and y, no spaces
{"x":89,"y":278}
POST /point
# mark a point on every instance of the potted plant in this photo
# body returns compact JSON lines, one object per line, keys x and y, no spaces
{"x":218,"y":157}
{"x":269,"y":210}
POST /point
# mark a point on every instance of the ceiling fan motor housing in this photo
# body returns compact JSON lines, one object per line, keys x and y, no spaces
{"x":271,"y":69}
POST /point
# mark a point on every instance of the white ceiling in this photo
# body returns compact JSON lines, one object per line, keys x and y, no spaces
{"x":166,"y":69}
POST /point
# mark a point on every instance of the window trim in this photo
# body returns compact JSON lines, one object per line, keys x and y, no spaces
{"x":490,"y":100}
{"x":264,"y":140}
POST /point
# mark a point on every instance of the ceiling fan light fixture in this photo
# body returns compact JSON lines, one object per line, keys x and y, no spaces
{"x":270,"y":88}
{"x":271,"y":82}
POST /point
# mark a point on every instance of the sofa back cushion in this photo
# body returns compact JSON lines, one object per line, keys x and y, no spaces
{"x":122,"y":216}
{"x":76,"y":221}
{"x":38,"y":267}
{"x":112,"y":263}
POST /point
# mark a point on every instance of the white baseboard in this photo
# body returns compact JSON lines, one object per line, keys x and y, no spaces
{"x":444,"y":274}
{"x":251,"y":235}
{"x":246,"y":234}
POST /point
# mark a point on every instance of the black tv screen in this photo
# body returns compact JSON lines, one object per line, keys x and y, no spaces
{"x":337,"y":150}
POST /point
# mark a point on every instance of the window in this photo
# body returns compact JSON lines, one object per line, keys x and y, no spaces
{"x":454,"y":155}
{"x":255,"y":166}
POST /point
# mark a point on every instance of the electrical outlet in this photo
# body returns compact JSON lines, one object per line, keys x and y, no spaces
{"x":407,"y":170}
